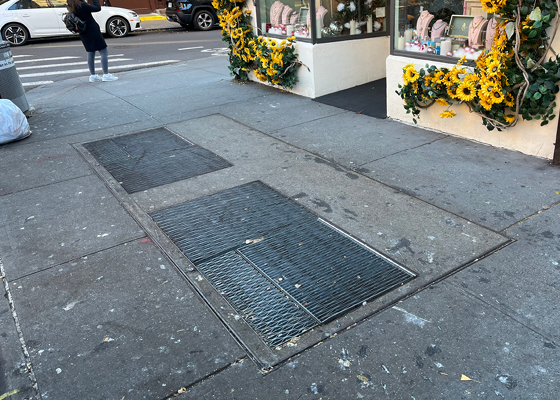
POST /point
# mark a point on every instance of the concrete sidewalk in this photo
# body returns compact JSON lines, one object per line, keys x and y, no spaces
{"x":96,"y":306}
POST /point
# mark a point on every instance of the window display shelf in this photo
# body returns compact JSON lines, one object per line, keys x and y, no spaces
{"x":440,"y":30}
{"x":333,"y":19}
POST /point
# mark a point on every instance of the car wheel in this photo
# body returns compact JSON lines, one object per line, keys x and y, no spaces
{"x":117,"y":27}
{"x":203,"y":20}
{"x":15,"y":34}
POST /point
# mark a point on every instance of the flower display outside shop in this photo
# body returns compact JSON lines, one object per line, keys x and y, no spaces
{"x":271,"y":61}
{"x":509,"y":81}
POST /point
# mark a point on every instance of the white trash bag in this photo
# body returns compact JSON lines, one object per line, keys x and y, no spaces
{"x":13,"y":124}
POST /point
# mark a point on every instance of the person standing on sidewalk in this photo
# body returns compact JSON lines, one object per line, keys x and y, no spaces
{"x":92,"y":38}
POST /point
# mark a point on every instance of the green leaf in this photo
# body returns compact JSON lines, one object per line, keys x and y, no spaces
{"x":524,"y":10}
{"x":537,"y":25}
{"x":535,"y":14}
{"x":537,"y":96}
{"x":544,"y":123}
{"x":510,"y":29}
{"x":532,"y":34}
{"x":543,"y":89}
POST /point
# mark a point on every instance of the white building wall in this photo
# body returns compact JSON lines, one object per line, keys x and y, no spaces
{"x":527,"y":136}
{"x":339,"y":65}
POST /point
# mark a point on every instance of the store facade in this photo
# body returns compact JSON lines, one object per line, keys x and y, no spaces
{"x":446,"y":31}
{"x":345,"y":45}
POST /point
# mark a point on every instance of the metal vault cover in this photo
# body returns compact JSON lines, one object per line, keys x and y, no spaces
{"x":148,"y":159}
{"x":283,"y":269}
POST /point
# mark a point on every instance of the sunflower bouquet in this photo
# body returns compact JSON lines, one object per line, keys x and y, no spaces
{"x":510,"y":80}
{"x":271,"y":61}
{"x":275,"y":60}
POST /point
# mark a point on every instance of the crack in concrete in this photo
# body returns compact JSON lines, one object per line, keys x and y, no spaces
{"x":31,"y":372}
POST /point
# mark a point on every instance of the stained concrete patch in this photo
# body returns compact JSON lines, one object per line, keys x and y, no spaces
{"x":59,"y":222}
{"x":353,"y":140}
{"x":68,"y":94}
{"x":39,"y":164}
{"x":532,"y":262}
{"x":216,"y":65}
{"x":278,"y":110}
{"x":77,"y":119}
{"x":118,"y":324}
{"x":14,"y":376}
{"x":492,"y":186}
{"x":393,"y":356}
{"x":143,"y":81}
{"x":230,"y":92}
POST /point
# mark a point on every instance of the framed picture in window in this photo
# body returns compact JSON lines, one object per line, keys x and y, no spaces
{"x":459,"y":26}
{"x":473,"y":7}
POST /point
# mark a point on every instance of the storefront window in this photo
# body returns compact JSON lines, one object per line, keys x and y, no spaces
{"x":332,"y":18}
{"x":448,"y":28}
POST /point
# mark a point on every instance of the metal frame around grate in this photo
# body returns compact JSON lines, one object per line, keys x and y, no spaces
{"x":324,"y":270}
{"x":153,"y":158}
{"x":210,"y":225}
{"x":268,"y":312}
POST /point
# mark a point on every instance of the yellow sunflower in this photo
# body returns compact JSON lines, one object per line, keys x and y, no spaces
{"x":485,"y":103}
{"x":448,"y":79}
{"x":466,"y":91}
{"x":481,"y":60}
{"x":455,"y":74}
{"x":499,"y":42}
{"x":442,"y":102}
{"x":439,"y":76}
{"x":462,"y":60}
{"x":411,"y":75}
{"x":509,"y":100}
{"x":447,"y":114}
{"x":496,"y":96}
{"x":487,"y":88}
{"x":491,"y":6}
{"x":493,"y":67}
{"x":509,"y":118}
{"x":452,"y":93}
{"x":474,"y":79}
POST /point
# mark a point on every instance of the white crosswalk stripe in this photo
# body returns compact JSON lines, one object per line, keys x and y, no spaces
{"x":46,"y":59}
{"x":69,"y":64}
{"x":31,"y":70}
{"x":39,"y":83}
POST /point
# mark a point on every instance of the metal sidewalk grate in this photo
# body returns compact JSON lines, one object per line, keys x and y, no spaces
{"x":302,"y":273}
{"x":267,"y":311}
{"x":324,"y":270}
{"x":213,"y":224}
{"x":153,"y":158}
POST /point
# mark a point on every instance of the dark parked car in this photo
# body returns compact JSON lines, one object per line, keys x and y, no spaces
{"x":198,"y":13}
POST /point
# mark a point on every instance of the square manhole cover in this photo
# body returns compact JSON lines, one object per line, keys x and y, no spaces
{"x":284,"y":270}
{"x":148,"y":159}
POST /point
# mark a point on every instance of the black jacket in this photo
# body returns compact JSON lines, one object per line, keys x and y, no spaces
{"x":92,"y":37}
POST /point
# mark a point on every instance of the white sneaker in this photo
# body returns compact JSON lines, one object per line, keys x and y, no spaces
{"x":95,"y":78}
{"x":109,"y":78}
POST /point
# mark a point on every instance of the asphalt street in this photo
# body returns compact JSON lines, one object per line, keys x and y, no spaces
{"x":43,"y":62}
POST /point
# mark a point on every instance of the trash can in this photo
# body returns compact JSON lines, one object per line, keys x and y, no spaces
{"x":10,"y":85}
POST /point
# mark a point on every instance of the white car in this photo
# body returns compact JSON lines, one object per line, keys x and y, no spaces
{"x":21,"y":20}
